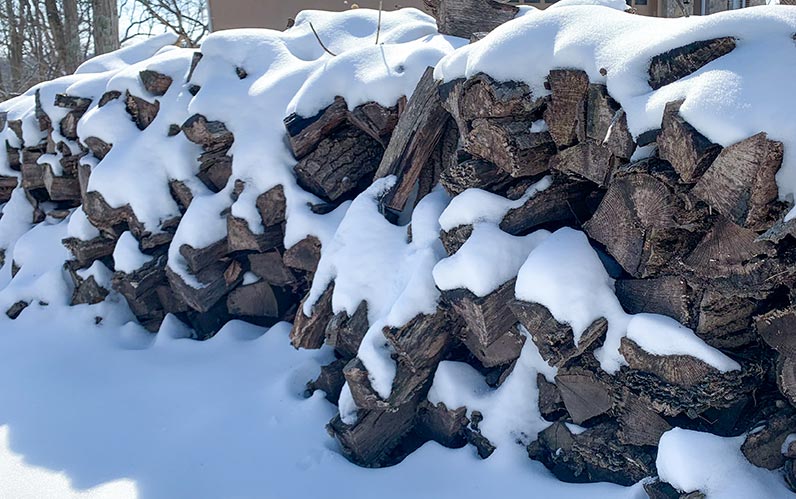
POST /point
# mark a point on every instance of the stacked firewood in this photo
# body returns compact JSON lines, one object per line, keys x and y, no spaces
{"x":691,"y":231}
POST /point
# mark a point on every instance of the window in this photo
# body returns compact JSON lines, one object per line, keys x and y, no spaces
{"x":640,"y":2}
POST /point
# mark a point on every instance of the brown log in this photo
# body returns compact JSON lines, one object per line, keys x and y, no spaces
{"x":566,"y":114}
{"x":254,"y":300}
{"x":725,"y":318}
{"x":141,"y":110}
{"x":503,"y":351}
{"x":304,"y":134}
{"x":462,"y":18}
{"x":475,"y":173}
{"x":345,"y":333}
{"x":452,"y":240}
{"x":341,"y":166}
{"x":551,"y":405}
{"x":181,"y":193}
{"x":155,"y":83}
{"x":7,"y":186}
{"x":662,"y":490}
{"x":201,"y":258}
{"x":682,"y":370}
{"x":108,"y":96}
{"x":87,"y":291}
{"x":481,"y":96}
{"x":588,"y":160}
{"x":98,"y":147}
{"x":71,"y":102}
{"x":786,"y":377}
{"x":142,"y":281}
{"x":414,"y":140}
{"x":16,"y":309}
{"x":668,"y":295}
{"x":606,"y":123}
{"x":217,"y":280}
{"x":209,"y":134}
{"x":270,"y":267}
{"x":304,"y":255}
{"x":510,"y":145}
{"x":741,"y":183}
{"x":678,"y":63}
{"x":679,"y":143}
{"x":60,"y":187}
{"x":87,"y":252}
{"x":763,"y":447}
{"x":309,"y":332}
{"x":330,"y":380}
{"x":585,"y":396}
{"x":376,"y":120}
{"x":486,"y":318}
{"x":555,"y":341}
{"x":420,"y":343}
{"x":638,"y":424}
{"x":215,"y":169}
{"x":272,"y":206}
{"x":444,"y":426}
{"x":241,"y":238}
{"x":778,"y":330}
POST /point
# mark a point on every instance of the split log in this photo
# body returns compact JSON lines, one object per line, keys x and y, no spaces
{"x":7,"y":186}
{"x":414,"y":140}
{"x":475,"y":173}
{"x":555,"y":341}
{"x":567,"y":202}
{"x":141,"y":110}
{"x":786,"y":377}
{"x":778,"y":330}
{"x":462,"y":18}
{"x":678,"y":63}
{"x":61,"y":187}
{"x":344,"y":333}
{"x":486,"y":318}
{"x":341,"y":166}
{"x":87,"y":252}
{"x":142,"y":281}
{"x":270,"y":267}
{"x":330,"y":380}
{"x":481,"y":96}
{"x":272,"y":206}
{"x":594,"y":455}
{"x":682,"y":370}
{"x":669,"y":295}
{"x":155,"y":83}
{"x":585,"y":396}
{"x":679,"y":143}
{"x":551,"y":405}
{"x":98,"y":147}
{"x":420,"y":343}
{"x":638,"y":424}
{"x":310,"y":331}
{"x":606,"y":123}
{"x":87,"y":291}
{"x":503,"y":351}
{"x":662,"y":490}
{"x":741,"y":183}
{"x":442,"y":425}
{"x":644,"y":222}
{"x":587,"y":160}
{"x":241,"y":238}
{"x":763,"y":447}
{"x":16,"y":309}
{"x":566,"y":114}
{"x":216,"y":280}
{"x":725,"y":318}
{"x":304,"y":255}
{"x":452,"y":240}
{"x":376,"y":120}
{"x":215,"y":169}
{"x":181,"y":193}
{"x":510,"y":145}
{"x":109,"y":96}
{"x":198,"y":259}
{"x":211,"y":135}
{"x":304,"y":134}
{"x":254,"y":301}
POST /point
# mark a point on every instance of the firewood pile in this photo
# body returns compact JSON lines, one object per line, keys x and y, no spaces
{"x":693,"y":231}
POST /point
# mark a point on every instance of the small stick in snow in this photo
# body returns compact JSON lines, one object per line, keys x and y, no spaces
{"x":320,"y":42}
{"x":378,"y":26}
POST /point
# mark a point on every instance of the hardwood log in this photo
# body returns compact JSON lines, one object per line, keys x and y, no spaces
{"x":215,"y":169}
{"x":16,"y":309}
{"x":585,"y":396}
{"x":7,"y":186}
{"x":215,"y":280}
{"x":741,"y":183}
{"x":566,"y":114}
{"x":444,"y":426}
{"x":511,"y":145}
{"x":763,"y":447}
{"x":462,"y":18}
{"x":240,"y":237}
{"x":778,"y":329}
{"x":141,"y":110}
{"x":679,"y":143}
{"x":420,"y":343}
{"x":672,"y":296}
{"x":155,"y":83}
{"x":87,"y":252}
{"x":376,"y":120}
{"x":587,"y":160}
{"x":270,"y":267}
{"x":304,"y":255}
{"x":678,"y":63}
{"x":98,"y":147}
{"x":475,"y":173}
{"x":606,"y":123}
{"x":304,"y":134}
{"x":638,"y":424}
{"x":272,"y":206}
{"x":486,"y":318}
{"x":209,"y":134}
{"x":786,"y":377}
{"x":551,"y":405}
{"x":310,"y":331}
{"x":330,"y":380}
{"x":345,"y":333}
{"x":254,"y":301}
{"x":452,"y":240}
{"x":201,"y":258}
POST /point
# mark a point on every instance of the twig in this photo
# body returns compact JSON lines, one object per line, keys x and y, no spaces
{"x":319,"y":41}
{"x":378,"y":27}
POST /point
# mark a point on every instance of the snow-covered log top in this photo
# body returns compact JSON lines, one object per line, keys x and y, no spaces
{"x":731,"y":98}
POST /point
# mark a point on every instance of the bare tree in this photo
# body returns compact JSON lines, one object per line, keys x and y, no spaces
{"x":106,"y":26}
{"x":187,"y":18}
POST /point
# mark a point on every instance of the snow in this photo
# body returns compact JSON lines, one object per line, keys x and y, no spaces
{"x":728,"y":100}
{"x":691,"y":461}
{"x":127,"y":256}
{"x":80,"y":227}
{"x":661,"y":335}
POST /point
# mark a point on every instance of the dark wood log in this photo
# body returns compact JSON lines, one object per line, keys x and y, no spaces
{"x":86,"y":252}
{"x":217,"y":280}
{"x":482,"y":445}
{"x":16,"y":309}
{"x":88,"y":292}
{"x":452,"y":240}
{"x":503,"y":351}
{"x":345,"y":333}
{"x":197,"y":56}
{"x":304,"y":255}
{"x":462,"y":18}
{"x":254,"y":300}
{"x":241,"y":238}
{"x":475,"y":174}
{"x":481,"y":96}
{"x":270,"y":267}
{"x":376,"y":120}
{"x":45,"y":123}
{"x":566,"y":114}
{"x":727,"y":249}
{"x":304,"y":134}
{"x":644,"y":222}
{"x":444,"y":426}
{"x":486,"y":318}
{"x":510,"y":145}
{"x":7,"y":186}
{"x":330,"y":380}
{"x":551,"y":405}
{"x":679,"y":143}
{"x":682,"y":370}
{"x":209,"y":134}
{"x":272,"y":206}
{"x":201,"y":258}
{"x":588,"y":160}
{"x":555,"y":341}
{"x":310,"y":331}
{"x":567,"y":202}
{"x":778,"y":329}
{"x":108,"y":96}
{"x":786,"y":377}
{"x":98,"y":147}
{"x":763,"y":447}
{"x":155,"y":83}
{"x":678,"y":63}
{"x":341,"y":166}
{"x":420,"y":343}
{"x":668,"y":295}
{"x":72,"y":102}
{"x":606,"y":123}
{"x":585,"y":396}
{"x":638,"y":423}
{"x":662,"y":490}
{"x":143,"y":281}
{"x":61,"y":187}
{"x":594,"y":455}
{"x":414,"y":140}
{"x":215,"y":169}
{"x":181,"y":193}
{"x":141,"y":110}
{"x":171,"y":303}
{"x":741,"y":183}
{"x":33,"y":181}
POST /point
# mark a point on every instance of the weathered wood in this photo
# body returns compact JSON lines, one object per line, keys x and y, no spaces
{"x":511,"y":145}
{"x":727,"y":249}
{"x":142,"y":281}
{"x":86,"y":252}
{"x":420,"y":343}
{"x":141,"y":110}
{"x":309,"y":331}
{"x":462,"y":18}
{"x":786,"y":377}
{"x":486,"y":318}
{"x":16,"y":309}
{"x":682,"y":370}
{"x":585,"y":396}
{"x":678,"y":63}
{"x":668,"y":295}
{"x":551,"y":405}
{"x":341,"y":166}
{"x":304,"y":134}
{"x":505,"y":350}
{"x":88,"y":292}
{"x":763,"y":447}
{"x":778,"y":329}
{"x":414,"y":139}
{"x":444,"y":426}
{"x":254,"y":300}
{"x":272,"y":206}
{"x":741,"y":183}
{"x":201,"y":258}
{"x":330,"y":380}
{"x":452,"y":240}
{"x":7,"y":186}
{"x":216,"y":280}
{"x":345,"y":333}
{"x":662,"y":490}
{"x":567,"y":202}
{"x":475,"y":173}
{"x":215,"y":169}
{"x":481,"y":96}
{"x":270,"y":267}
{"x":108,"y":96}
{"x":60,"y":187}
{"x":587,"y":160}
{"x":71,"y":102}
{"x":606,"y":123}
{"x":679,"y":143}
{"x":209,"y":134}
{"x":638,"y":424}
{"x":241,"y":238}
{"x":304,"y":255}
{"x":98,"y":147}
{"x":566,"y":114}
{"x":375,"y":120}
{"x":555,"y":341}
{"x":155,"y":83}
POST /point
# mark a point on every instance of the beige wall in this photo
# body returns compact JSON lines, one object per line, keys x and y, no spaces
{"x":274,"y":14}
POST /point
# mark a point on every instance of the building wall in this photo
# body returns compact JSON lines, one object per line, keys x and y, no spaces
{"x":274,"y":14}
